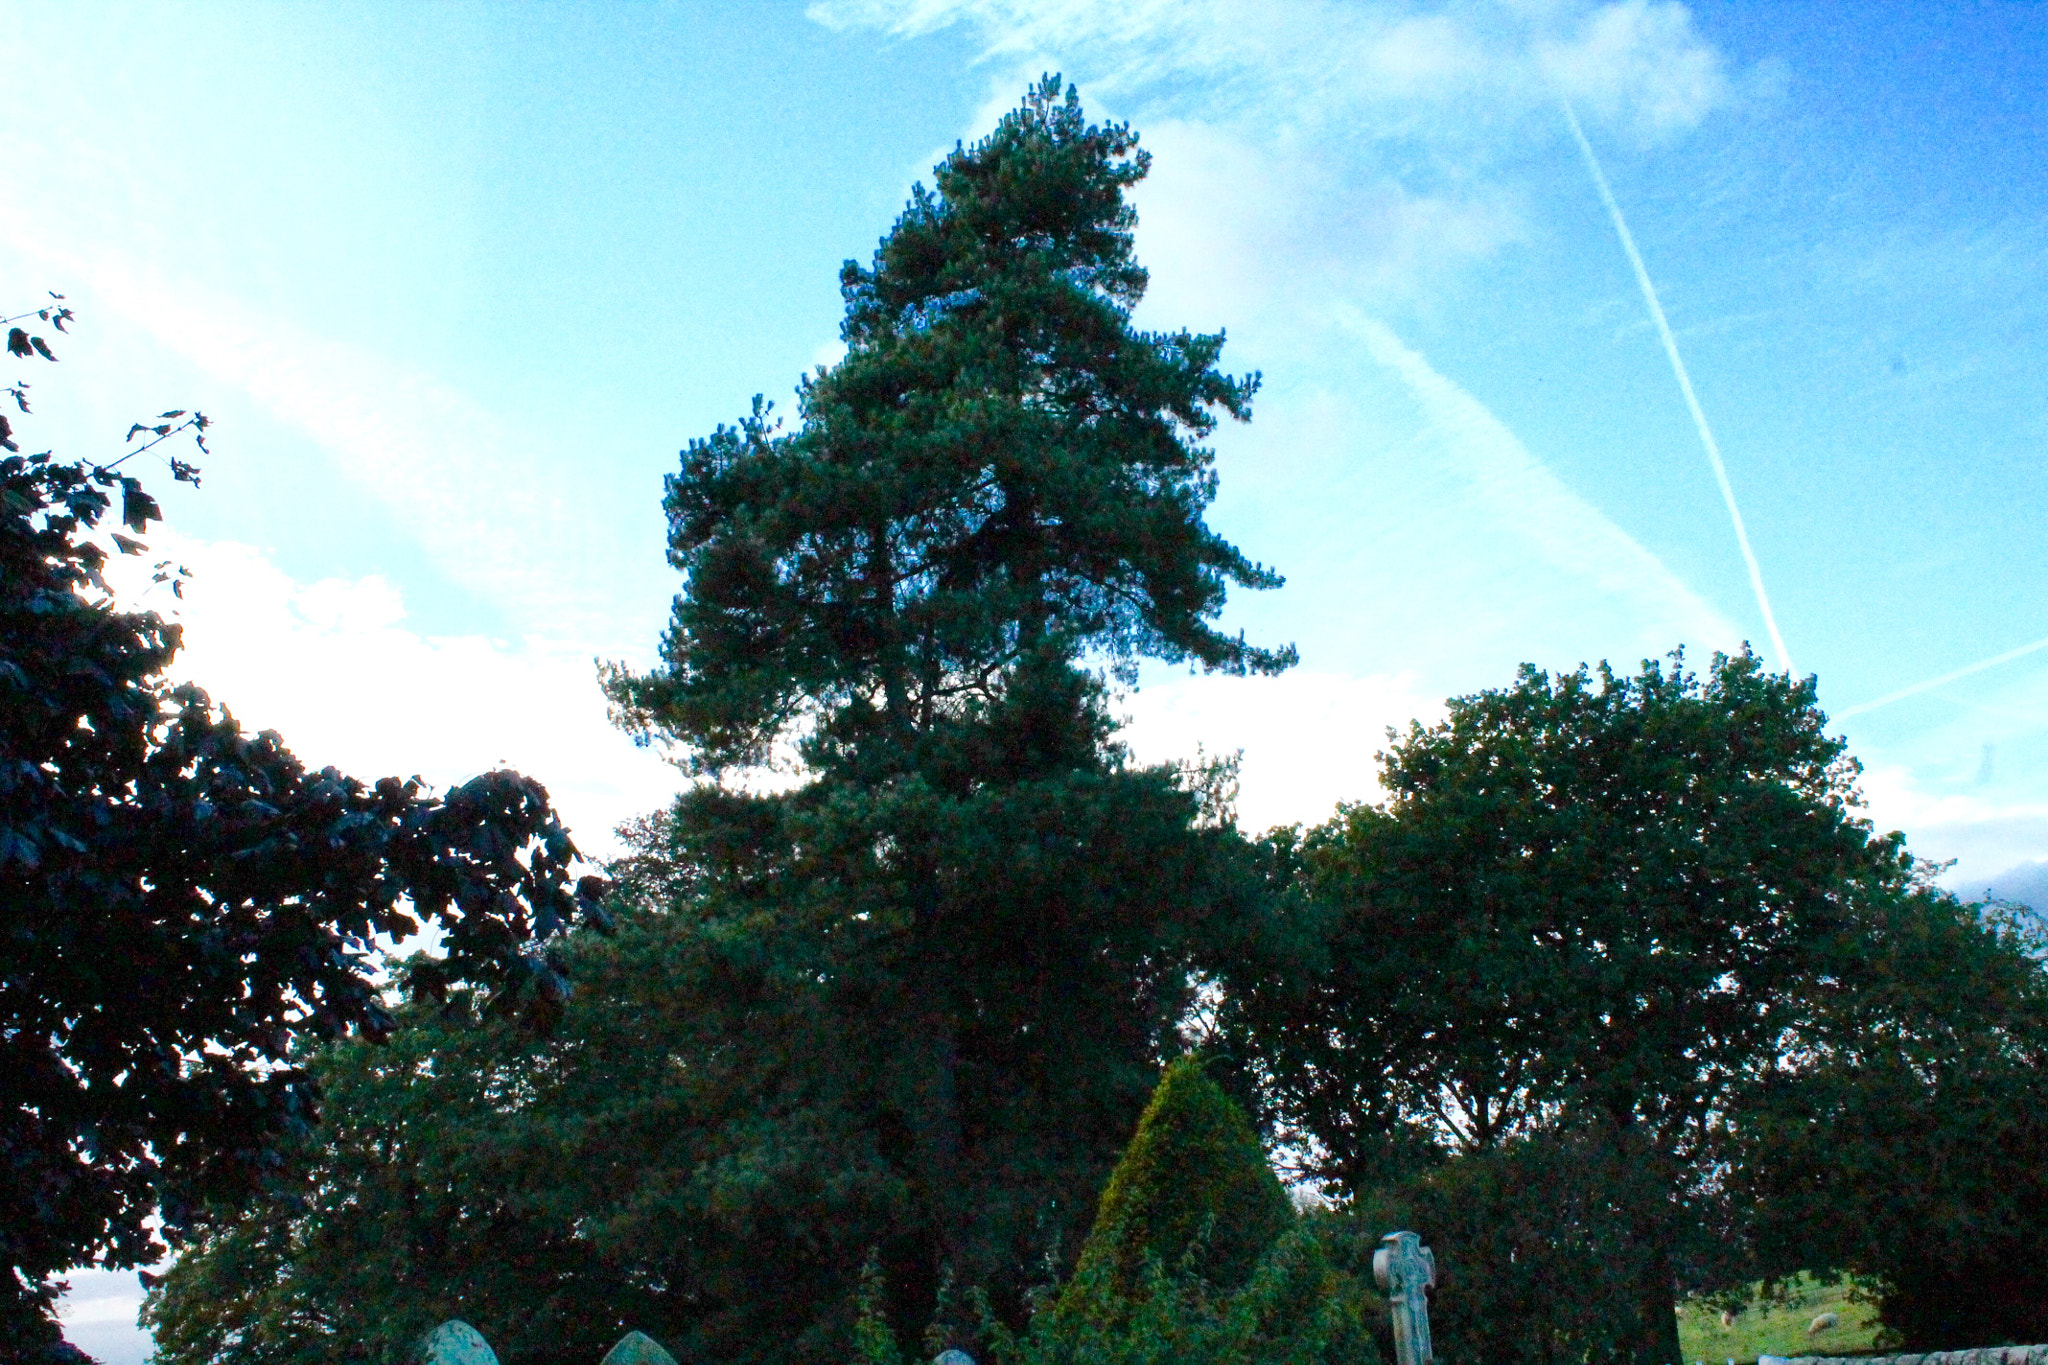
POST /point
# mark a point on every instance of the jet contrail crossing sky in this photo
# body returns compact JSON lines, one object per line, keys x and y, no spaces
{"x":1692,"y":402}
{"x":1965,"y":671}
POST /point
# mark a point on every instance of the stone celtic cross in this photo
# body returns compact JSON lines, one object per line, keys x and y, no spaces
{"x":1406,"y":1270}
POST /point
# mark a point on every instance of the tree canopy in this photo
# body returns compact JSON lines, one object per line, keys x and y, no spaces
{"x":183,"y":900}
{"x":1589,"y":901}
{"x":1901,"y":1136}
{"x":1001,"y":472}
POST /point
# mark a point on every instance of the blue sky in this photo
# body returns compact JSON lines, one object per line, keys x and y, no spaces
{"x":458,"y":281}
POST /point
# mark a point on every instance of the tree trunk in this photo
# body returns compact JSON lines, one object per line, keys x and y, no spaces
{"x":940,"y":1139}
{"x":1657,"y":1307}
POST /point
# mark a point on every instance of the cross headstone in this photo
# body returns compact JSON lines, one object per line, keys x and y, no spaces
{"x":455,"y":1342}
{"x":637,"y":1348}
{"x":1406,"y":1270}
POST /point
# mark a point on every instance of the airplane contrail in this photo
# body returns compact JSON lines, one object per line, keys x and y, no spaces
{"x":1699,"y":417}
{"x":1965,"y":671}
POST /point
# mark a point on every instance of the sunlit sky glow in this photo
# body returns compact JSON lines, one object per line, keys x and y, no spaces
{"x":457,"y":281}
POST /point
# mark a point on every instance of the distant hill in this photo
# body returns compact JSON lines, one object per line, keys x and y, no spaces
{"x":2026,"y":884}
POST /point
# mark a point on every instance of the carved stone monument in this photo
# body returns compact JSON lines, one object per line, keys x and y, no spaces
{"x":1406,"y":1270}
{"x":637,"y":1348}
{"x":455,"y":1342}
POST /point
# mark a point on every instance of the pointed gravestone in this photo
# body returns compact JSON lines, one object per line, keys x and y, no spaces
{"x":455,"y":1342}
{"x":637,"y":1348}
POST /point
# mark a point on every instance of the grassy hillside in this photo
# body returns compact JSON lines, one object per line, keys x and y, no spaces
{"x":1780,"y":1330}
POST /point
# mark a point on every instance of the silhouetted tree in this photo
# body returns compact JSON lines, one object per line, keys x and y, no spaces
{"x":180,"y":901}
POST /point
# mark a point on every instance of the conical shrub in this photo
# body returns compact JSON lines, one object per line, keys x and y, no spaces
{"x":1194,"y":1173}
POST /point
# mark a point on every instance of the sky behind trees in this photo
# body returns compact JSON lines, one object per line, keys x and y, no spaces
{"x":458,"y":281}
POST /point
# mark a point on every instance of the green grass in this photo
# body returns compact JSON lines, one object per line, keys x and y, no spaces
{"x":1780,"y":1329}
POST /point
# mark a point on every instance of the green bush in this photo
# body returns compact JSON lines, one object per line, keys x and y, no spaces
{"x":1193,"y":1183}
{"x":1196,"y":1258}
{"x":1295,"y":1308}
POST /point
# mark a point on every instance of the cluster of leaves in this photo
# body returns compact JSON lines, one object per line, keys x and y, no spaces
{"x":449,"y":1177}
{"x":182,"y":900}
{"x":22,"y":346}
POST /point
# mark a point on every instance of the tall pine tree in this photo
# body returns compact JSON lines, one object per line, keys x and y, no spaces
{"x":953,"y":954}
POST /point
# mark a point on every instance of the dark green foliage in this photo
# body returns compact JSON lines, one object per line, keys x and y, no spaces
{"x":1593,"y":905}
{"x":1194,"y":1175}
{"x":180,"y":900}
{"x":1295,"y":1308}
{"x":733,"y":1112}
{"x":1904,"y":1137}
{"x":1001,"y":473}
{"x":1535,"y":1261}
{"x":441,"y":1183}
{"x":1196,"y":1256}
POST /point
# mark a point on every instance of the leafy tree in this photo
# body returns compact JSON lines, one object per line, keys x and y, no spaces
{"x":180,"y":901}
{"x":439,"y":1185}
{"x":1589,"y":904}
{"x":1902,"y":1136}
{"x":1532,"y":1242}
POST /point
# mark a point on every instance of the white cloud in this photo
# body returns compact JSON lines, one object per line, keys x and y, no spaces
{"x":333,"y":667}
{"x":1239,"y":226}
{"x":99,"y":1316}
{"x":1308,"y":739}
{"x":1638,"y":63}
{"x":1982,"y":836}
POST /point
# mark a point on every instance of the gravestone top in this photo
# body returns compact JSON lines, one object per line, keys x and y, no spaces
{"x":455,"y":1342}
{"x":953,"y":1356}
{"x":1406,"y":1269}
{"x":637,"y":1348}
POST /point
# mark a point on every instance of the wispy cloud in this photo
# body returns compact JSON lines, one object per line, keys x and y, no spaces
{"x":1525,"y":499}
{"x":1319,"y":61}
{"x":495,"y":506}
